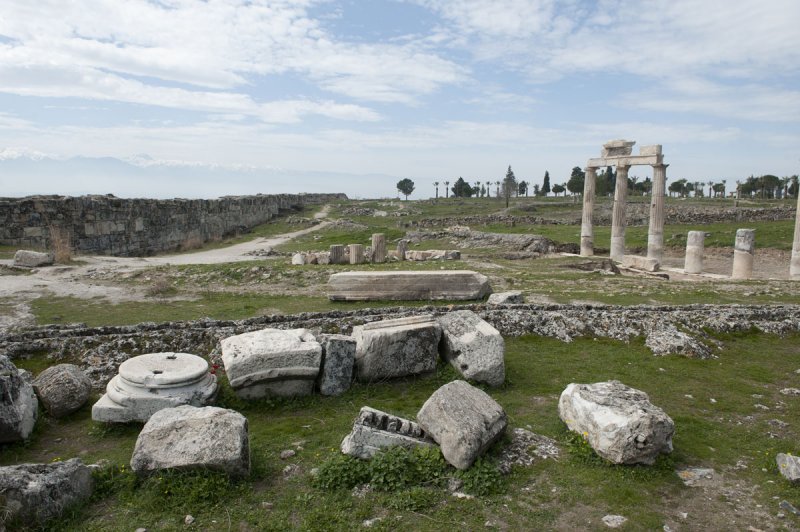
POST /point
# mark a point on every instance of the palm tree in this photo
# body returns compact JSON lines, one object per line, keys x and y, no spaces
{"x":436,"y":184}
{"x":447,"y":189}
{"x":498,"y":188}
{"x":477,"y":189}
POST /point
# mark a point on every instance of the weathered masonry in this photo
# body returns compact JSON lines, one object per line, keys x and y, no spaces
{"x":108,"y":225}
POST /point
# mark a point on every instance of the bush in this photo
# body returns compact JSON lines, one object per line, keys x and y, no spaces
{"x":341,"y":471}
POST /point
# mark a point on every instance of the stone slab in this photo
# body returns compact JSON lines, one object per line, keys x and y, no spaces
{"x":374,"y":430}
{"x":641,"y":263}
{"x":396,"y":348}
{"x":408,"y":286}
{"x":338,"y":360}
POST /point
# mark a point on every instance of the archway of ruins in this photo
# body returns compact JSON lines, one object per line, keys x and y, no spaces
{"x":617,"y":153}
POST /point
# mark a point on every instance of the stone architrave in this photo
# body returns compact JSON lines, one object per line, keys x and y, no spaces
{"x":356,"y":253}
{"x":618,"y":214}
{"x":695,"y":246}
{"x":463,"y":420}
{"x":32,"y":259}
{"x":743,"y":251}
{"x":617,"y":148}
{"x":188,"y":437}
{"x":378,"y":248}
{"x":148,"y":383}
{"x":338,"y":359}
{"x":587,"y":229}
{"x":62,"y":389}
{"x":396,"y":348}
{"x":272,"y":362}
{"x":408,"y":285}
{"x":794,"y":265}
{"x":32,"y":494}
{"x":374,"y":430}
{"x":18,"y":403}
{"x":337,"y":254}
{"x":402,"y":247}
{"x":655,"y":231}
{"x":619,"y":422}
{"x":473,"y":347}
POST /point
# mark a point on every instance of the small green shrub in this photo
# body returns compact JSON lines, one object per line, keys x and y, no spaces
{"x":112,"y":479}
{"x":483,"y":478}
{"x":414,"y":499}
{"x":185,"y":489}
{"x":341,"y":472}
{"x":430,"y":466}
{"x":393,"y":470}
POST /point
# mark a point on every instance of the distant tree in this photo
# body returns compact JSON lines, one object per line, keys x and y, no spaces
{"x":546,"y":184}
{"x":446,"y":190}
{"x":436,"y":184}
{"x":602,"y":184}
{"x":536,"y":189}
{"x":643,"y":187}
{"x":769,"y":185}
{"x":794,"y":186}
{"x":476,"y":189}
{"x":523,"y":188}
{"x":612,"y":179}
{"x":509,"y":184}
{"x":719,"y":189}
{"x":406,"y":187}
{"x":462,"y":189}
{"x":678,"y":187}
{"x":576,"y":179}
{"x":558,"y":189}
{"x":483,"y":190}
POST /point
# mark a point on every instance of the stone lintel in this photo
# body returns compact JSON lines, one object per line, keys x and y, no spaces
{"x":628,"y":160}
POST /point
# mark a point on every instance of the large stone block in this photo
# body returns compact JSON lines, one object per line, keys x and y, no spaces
{"x":188,"y":437}
{"x":789,"y":467}
{"x":31,"y":494}
{"x":641,"y":263}
{"x":619,"y":422}
{"x":473,"y":347}
{"x":374,"y":430}
{"x":62,"y":389}
{"x":408,"y":285}
{"x":463,"y":420}
{"x":32,"y":259}
{"x":18,"y":404}
{"x":338,"y":359}
{"x":149,"y":383}
{"x":396,"y":348}
{"x":272,"y":362}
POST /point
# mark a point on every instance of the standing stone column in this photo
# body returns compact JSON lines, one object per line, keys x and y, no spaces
{"x":337,"y":254}
{"x":743,"y":254}
{"x":655,"y":231}
{"x":356,"y":253}
{"x":587,"y":230}
{"x":402,"y":247}
{"x":378,"y":247}
{"x":618,"y":214}
{"x":794,"y":265}
{"x":695,"y":245}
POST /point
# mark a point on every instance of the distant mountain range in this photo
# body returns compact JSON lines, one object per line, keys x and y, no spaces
{"x":26,"y":172}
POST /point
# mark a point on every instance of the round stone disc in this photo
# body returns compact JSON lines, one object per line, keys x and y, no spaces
{"x":163,"y":369}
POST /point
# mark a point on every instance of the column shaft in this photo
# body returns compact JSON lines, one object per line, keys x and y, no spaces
{"x":743,"y":251}
{"x":655,"y":231}
{"x":618,"y":214}
{"x":695,"y":244}
{"x":587,"y":229}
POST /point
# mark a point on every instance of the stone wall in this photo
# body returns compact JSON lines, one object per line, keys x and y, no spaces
{"x":107,"y":225}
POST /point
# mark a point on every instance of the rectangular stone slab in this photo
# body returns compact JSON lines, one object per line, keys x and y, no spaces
{"x":408,"y":286}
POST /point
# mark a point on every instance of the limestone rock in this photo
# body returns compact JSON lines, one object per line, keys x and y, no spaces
{"x":506,"y":298}
{"x":473,"y":347}
{"x":619,"y":422}
{"x":188,"y":437}
{"x":641,"y":263}
{"x":463,"y":420}
{"x":31,"y":494}
{"x":408,"y":285}
{"x":63,"y":389}
{"x":614,"y":521}
{"x":789,"y":466}
{"x":374,"y":430}
{"x":272,"y":362}
{"x":668,"y":340}
{"x":298,"y":259}
{"x":18,"y":404}
{"x":32,"y":259}
{"x":148,"y":383}
{"x":338,"y":359}
{"x":396,"y":348}
{"x":524,"y":448}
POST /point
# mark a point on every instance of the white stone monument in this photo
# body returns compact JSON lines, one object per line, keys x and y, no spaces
{"x":695,"y":245}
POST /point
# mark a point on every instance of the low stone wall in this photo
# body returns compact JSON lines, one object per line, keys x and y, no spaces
{"x":100,"y":350}
{"x":107,"y":225}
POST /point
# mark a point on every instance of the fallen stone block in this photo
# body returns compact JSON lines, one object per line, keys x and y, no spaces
{"x":789,"y":467}
{"x":18,"y":404}
{"x":374,"y":430}
{"x":62,"y":389}
{"x":32,"y":259}
{"x":408,"y":285}
{"x":149,"y":383}
{"x":188,"y":437}
{"x":338,"y":359}
{"x":641,"y":263}
{"x":31,"y":494}
{"x":619,"y":422}
{"x":396,"y":348}
{"x":506,"y":298}
{"x":298,"y":259}
{"x":668,"y":340}
{"x":473,"y":347}
{"x":272,"y":362}
{"x":463,"y":420}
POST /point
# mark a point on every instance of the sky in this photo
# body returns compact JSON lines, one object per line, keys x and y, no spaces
{"x":182,"y":98}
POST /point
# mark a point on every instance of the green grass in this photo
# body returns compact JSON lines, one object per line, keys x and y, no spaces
{"x":573,"y":492}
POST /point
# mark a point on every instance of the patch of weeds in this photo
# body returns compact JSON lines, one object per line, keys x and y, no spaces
{"x":112,"y":479}
{"x":413,"y":500}
{"x":341,"y":472}
{"x":184,"y":489}
{"x":392,"y":470}
{"x":114,"y":430}
{"x":483,"y":478}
